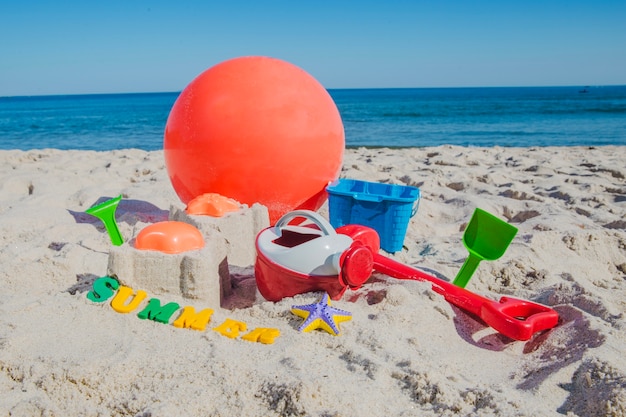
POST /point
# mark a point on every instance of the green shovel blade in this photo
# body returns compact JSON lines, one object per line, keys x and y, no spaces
{"x":486,"y":238}
{"x":106,"y":213}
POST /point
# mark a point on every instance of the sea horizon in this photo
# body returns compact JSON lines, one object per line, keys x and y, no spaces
{"x":579,"y":86}
{"x":372,"y":117}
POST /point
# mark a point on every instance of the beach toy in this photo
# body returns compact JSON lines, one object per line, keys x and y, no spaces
{"x":297,"y":259}
{"x":106,"y":213}
{"x":127,"y":300}
{"x":265,"y":335}
{"x":212,"y":204}
{"x":321,"y":315}
{"x":386,"y":208}
{"x":258,"y":130}
{"x":169,"y":237}
{"x":279,"y":275}
{"x":515,"y":318}
{"x":486,"y":237}
{"x":231,"y":328}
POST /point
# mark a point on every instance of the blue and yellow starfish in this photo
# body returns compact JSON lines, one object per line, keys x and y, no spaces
{"x":321,"y":316}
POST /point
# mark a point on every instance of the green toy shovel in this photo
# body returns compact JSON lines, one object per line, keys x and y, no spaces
{"x":106,"y":213}
{"x":486,"y":238}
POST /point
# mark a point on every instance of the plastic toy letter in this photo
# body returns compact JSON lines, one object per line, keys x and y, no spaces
{"x":103,"y":288}
{"x":154,"y":311}
{"x":263,"y":335}
{"x":118,"y":303}
{"x":231,"y":328}
{"x":190,"y":319}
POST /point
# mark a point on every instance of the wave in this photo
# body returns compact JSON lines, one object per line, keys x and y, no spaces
{"x":500,"y":133}
{"x":500,"y":111}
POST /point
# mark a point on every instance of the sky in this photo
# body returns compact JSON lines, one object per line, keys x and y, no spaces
{"x":83,"y":47}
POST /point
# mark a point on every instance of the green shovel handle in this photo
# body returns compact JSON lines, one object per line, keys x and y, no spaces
{"x":466,"y":271}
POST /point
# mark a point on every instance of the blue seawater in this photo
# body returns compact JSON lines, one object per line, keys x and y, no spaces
{"x":89,"y":122}
{"x":407,"y":117}
{"x":520,"y":116}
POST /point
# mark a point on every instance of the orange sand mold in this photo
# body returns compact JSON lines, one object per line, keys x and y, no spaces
{"x":212,"y":204}
{"x":169,"y":237}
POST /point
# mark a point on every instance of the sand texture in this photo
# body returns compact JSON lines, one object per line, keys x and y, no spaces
{"x":406,"y":351}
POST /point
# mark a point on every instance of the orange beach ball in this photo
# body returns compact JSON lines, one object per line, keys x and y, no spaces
{"x":257,"y":130}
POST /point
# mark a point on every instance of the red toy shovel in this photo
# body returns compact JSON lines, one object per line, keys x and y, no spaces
{"x":515,"y":318}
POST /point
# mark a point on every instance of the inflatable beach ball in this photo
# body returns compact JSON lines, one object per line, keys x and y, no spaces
{"x":257,"y":130}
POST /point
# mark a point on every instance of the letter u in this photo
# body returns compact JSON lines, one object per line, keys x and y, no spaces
{"x":120,"y":302}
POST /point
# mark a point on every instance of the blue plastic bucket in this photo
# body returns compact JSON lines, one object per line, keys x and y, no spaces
{"x":386,"y":208}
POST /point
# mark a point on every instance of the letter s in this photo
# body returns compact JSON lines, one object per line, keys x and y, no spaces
{"x":103,"y":289}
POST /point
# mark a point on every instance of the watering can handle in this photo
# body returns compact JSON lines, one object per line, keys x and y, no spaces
{"x":317,"y":219}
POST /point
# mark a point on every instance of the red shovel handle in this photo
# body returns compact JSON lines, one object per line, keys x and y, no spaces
{"x":518,"y":319}
{"x":515,"y":318}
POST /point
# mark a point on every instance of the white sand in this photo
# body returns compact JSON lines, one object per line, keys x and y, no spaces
{"x":406,"y":352}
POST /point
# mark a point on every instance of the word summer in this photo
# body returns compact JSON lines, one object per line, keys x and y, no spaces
{"x":126,"y":300}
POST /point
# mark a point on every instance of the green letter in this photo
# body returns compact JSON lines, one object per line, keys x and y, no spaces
{"x":154,"y":311}
{"x":103,"y":289}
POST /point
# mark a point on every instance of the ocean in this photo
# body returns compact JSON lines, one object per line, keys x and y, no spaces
{"x":405,"y":117}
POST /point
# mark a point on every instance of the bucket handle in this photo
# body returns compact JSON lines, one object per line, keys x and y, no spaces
{"x":415,"y":207}
{"x":317,"y":219}
{"x":368,"y":197}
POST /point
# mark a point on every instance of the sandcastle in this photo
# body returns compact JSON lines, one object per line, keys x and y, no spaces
{"x":202,"y":274}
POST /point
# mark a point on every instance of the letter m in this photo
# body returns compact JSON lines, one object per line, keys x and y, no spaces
{"x":154,"y":311}
{"x":190,"y":319}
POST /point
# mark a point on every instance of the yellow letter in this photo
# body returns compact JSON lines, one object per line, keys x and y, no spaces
{"x":119,"y":301}
{"x":190,"y":319}
{"x":263,"y":335}
{"x":231,"y":328}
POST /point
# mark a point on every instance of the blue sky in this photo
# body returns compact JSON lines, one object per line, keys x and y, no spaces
{"x":76,"y":47}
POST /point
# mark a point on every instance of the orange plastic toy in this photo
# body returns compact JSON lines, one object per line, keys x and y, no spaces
{"x":212,"y":204}
{"x":169,"y":237}
{"x":255,"y":129}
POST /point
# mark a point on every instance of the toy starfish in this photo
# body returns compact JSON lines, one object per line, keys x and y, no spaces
{"x":321,"y":316}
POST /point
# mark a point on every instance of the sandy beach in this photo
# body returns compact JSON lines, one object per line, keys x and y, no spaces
{"x":406,"y":351}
